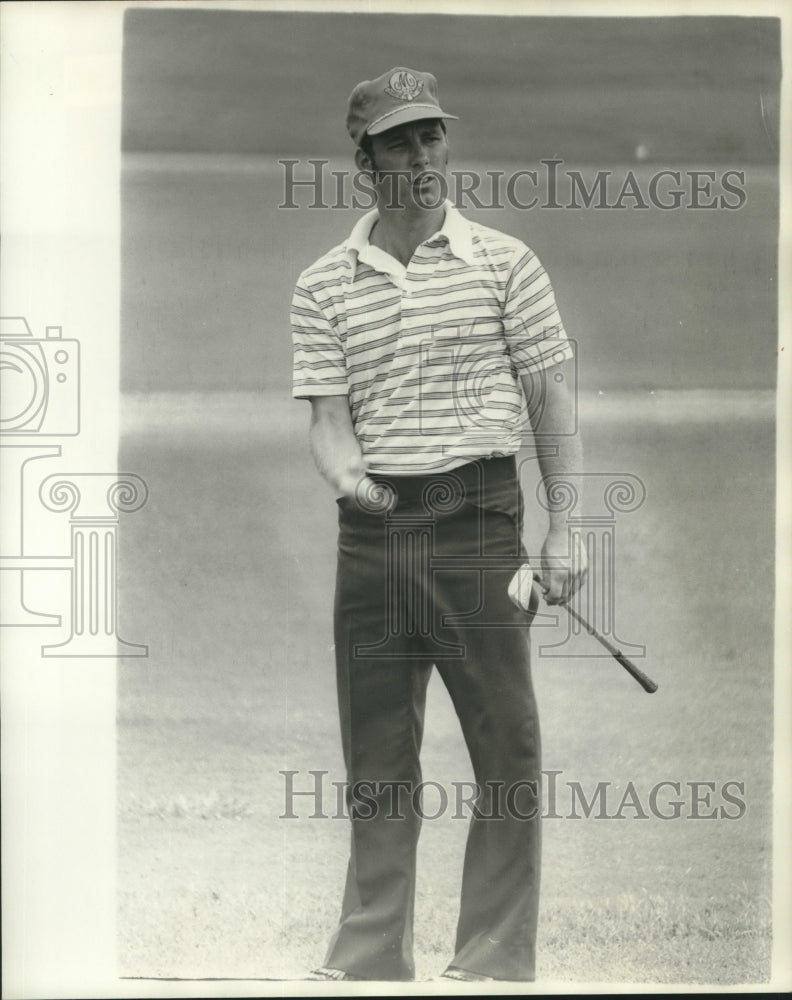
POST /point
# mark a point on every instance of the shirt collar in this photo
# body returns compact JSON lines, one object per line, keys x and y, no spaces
{"x":455,"y":230}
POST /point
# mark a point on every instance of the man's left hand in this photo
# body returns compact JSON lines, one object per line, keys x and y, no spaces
{"x":564,"y":565}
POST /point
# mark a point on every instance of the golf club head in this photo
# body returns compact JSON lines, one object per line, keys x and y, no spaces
{"x":524,"y":591}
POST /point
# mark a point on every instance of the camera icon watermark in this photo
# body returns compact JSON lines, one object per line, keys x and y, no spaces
{"x":39,"y":401}
{"x":39,"y":381}
{"x":472,"y":387}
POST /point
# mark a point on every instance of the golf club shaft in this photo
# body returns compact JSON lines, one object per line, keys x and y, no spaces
{"x":646,"y":682}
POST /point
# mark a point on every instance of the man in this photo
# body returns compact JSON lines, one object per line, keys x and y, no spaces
{"x":418,"y":341}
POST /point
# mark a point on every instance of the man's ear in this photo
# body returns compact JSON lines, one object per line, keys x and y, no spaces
{"x":362,"y":160}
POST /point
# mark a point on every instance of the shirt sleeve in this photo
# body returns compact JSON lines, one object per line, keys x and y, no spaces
{"x":532,"y":325}
{"x":319,"y":367}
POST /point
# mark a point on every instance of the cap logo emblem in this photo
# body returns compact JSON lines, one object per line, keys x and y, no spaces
{"x":404,"y":86}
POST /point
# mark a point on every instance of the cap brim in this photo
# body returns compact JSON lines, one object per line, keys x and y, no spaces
{"x":410,"y":113}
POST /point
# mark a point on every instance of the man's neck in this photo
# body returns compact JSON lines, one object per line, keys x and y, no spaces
{"x":398,"y":231}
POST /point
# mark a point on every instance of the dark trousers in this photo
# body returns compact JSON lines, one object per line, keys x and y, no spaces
{"x":426,"y":585}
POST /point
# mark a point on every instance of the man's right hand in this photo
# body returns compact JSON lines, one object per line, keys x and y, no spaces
{"x":353,"y":479}
{"x":368,"y":495}
{"x":339,"y":457}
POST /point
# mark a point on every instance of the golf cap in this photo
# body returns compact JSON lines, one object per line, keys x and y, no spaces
{"x":401,"y":95}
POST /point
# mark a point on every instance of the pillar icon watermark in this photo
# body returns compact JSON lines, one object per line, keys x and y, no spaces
{"x":410,"y":557}
{"x":607,"y":495}
{"x":418,"y":621}
{"x":94,"y":502}
{"x":40,"y":404}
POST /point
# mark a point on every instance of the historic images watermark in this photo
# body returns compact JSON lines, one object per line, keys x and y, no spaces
{"x":310,"y":795}
{"x":551,"y":185}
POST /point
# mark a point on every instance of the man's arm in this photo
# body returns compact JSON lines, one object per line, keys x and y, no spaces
{"x":335,"y":448}
{"x":564,"y":561}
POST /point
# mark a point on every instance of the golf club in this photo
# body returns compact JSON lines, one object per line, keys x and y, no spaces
{"x":517,"y":594}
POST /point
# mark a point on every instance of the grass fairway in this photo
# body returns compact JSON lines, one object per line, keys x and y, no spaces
{"x":228,"y":574}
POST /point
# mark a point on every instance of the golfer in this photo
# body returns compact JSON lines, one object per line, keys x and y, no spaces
{"x":418,"y":342}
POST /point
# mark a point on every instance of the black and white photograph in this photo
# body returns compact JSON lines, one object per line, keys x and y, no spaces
{"x":396,"y":499}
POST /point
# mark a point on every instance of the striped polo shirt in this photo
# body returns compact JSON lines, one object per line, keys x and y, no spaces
{"x":430,"y":354}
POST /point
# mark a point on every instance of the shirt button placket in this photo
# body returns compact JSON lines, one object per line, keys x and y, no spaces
{"x":407,"y":321}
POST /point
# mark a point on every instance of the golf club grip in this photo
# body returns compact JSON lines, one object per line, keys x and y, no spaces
{"x":646,"y":682}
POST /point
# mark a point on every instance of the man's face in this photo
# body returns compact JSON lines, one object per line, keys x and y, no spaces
{"x":405,"y":159}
